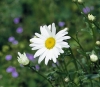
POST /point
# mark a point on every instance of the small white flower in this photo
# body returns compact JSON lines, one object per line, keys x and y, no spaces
{"x":66,"y":79}
{"x":49,"y":44}
{"x":91,"y":17}
{"x":93,"y":57}
{"x":22,"y":59}
{"x":80,"y":1}
{"x":98,"y":43}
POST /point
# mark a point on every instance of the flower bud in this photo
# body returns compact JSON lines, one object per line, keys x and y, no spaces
{"x":66,"y":79}
{"x":22,"y":59}
{"x":91,"y":17}
{"x":98,"y":43}
{"x":93,"y":57}
{"x":80,"y":1}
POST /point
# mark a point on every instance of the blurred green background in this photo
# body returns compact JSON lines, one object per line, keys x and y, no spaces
{"x":20,"y":19}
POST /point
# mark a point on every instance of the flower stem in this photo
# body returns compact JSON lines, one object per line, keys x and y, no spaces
{"x":69,"y":74}
{"x":41,"y":75}
{"x":74,"y":59}
{"x":61,"y":76}
{"x":96,"y":25}
{"x":82,"y":51}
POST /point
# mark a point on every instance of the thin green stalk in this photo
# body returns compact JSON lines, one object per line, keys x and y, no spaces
{"x":74,"y":59}
{"x":62,"y":67}
{"x":69,"y":74}
{"x":75,"y":62}
{"x":65,"y":68}
{"x":91,"y":83}
{"x":98,"y":69}
{"x":82,"y":50}
{"x":78,"y":44}
{"x":81,"y":66}
{"x":59,"y":82}
{"x":63,"y":81}
{"x":61,"y":76}
{"x":94,"y":35}
{"x":96,"y":25}
{"x":58,"y":67}
{"x":41,"y":75}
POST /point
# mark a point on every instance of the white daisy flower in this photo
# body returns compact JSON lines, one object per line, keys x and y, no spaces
{"x":49,"y":44}
{"x":22,"y":59}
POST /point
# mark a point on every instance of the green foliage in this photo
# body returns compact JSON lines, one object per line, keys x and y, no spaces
{"x":34,"y":13}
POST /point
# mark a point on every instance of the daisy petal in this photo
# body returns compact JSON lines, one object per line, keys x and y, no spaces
{"x":36,"y":40}
{"x":63,"y":38}
{"x":57,"y":45}
{"x":43,"y":31}
{"x":54,"y":60}
{"x":46,"y":59}
{"x":49,"y":32}
{"x":62,"y":31}
{"x":64,"y":44}
{"x":42,"y":56}
{"x":49,"y":27}
{"x":59,"y":36}
{"x":36,"y":45}
{"x":40,"y":36}
{"x":39,"y":52}
{"x":53,"y":29}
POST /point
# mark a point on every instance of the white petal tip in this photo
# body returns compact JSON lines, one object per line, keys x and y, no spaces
{"x":66,"y":29}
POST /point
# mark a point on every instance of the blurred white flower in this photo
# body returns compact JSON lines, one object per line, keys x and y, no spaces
{"x":49,"y":44}
{"x":91,"y":17}
{"x":22,"y":59}
{"x":66,"y":79}
{"x":93,"y":57}
{"x":80,"y":1}
{"x":98,"y":43}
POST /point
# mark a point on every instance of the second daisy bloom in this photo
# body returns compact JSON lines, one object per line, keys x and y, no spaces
{"x":49,"y":44}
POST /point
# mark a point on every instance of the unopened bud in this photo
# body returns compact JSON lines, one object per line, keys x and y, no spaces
{"x":22,"y":59}
{"x":93,"y":57}
{"x":80,"y":1}
{"x":98,"y":43}
{"x":91,"y":17}
{"x":66,"y":79}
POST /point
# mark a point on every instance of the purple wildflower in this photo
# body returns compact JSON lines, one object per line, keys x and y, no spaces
{"x":30,"y":56}
{"x":19,"y":30}
{"x":14,"y":74}
{"x":15,"y":42}
{"x":11,"y":39}
{"x":61,"y":24}
{"x":10,"y":69}
{"x":8,"y":57}
{"x":86,"y":10}
{"x":37,"y":67}
{"x":16,"y":20}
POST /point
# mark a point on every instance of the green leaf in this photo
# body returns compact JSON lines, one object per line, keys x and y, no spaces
{"x":91,"y":76}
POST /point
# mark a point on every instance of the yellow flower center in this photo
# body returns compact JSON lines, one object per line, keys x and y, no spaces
{"x":50,"y":43}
